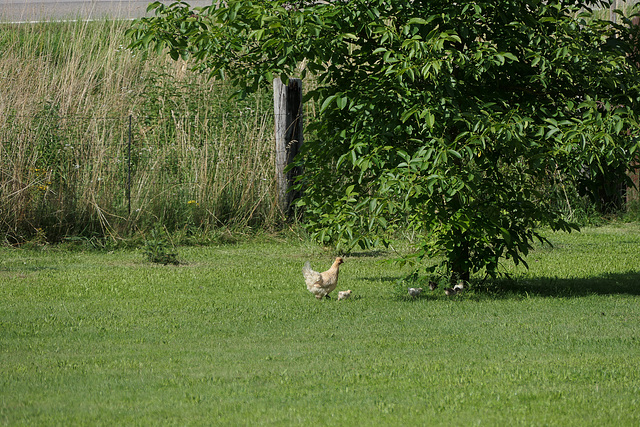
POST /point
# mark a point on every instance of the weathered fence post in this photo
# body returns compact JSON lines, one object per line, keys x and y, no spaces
{"x":287,"y":100}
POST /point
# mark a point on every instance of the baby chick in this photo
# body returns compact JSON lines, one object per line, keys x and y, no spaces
{"x":414,"y":292}
{"x":344,"y":294}
{"x":433,"y":285}
{"x":449,"y":291}
{"x":459,"y":287}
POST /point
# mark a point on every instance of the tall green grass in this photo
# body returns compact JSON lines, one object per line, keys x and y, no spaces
{"x":198,"y":160}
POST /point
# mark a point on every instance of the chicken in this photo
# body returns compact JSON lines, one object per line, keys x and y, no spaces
{"x":322,"y":284}
{"x":344,"y":294}
{"x":414,"y":292}
{"x":433,"y":285}
{"x":449,"y":291}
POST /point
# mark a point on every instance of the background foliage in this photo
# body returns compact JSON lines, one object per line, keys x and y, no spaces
{"x":444,"y":117}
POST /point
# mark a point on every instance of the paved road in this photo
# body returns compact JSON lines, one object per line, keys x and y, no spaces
{"x":39,"y":10}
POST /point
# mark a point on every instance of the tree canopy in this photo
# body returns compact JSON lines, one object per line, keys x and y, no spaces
{"x":436,"y":115}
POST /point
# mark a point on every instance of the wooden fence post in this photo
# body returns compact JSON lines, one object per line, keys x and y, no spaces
{"x":287,"y":100}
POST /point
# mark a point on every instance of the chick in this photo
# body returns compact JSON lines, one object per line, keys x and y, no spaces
{"x":344,"y":294}
{"x":459,"y":287}
{"x":414,"y":292}
{"x":432,"y":285}
{"x":449,"y":291}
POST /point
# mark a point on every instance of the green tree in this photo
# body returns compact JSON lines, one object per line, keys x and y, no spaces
{"x":437,"y":115}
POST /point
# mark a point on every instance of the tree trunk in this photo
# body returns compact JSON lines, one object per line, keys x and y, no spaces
{"x":460,"y":263}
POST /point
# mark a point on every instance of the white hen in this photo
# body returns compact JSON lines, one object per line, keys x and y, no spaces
{"x":321,"y":284}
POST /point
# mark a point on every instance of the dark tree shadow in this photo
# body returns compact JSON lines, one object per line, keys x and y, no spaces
{"x":389,"y":279}
{"x":27,"y":268}
{"x":367,"y":254}
{"x":606,"y":284}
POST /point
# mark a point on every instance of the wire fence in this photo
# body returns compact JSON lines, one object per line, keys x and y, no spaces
{"x":84,"y":174}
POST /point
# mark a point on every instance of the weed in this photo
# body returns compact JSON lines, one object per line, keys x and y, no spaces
{"x":158,"y":249}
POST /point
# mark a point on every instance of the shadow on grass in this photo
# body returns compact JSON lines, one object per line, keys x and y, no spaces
{"x":27,"y":268}
{"x":367,"y":254}
{"x":391,"y":279}
{"x":608,"y":284}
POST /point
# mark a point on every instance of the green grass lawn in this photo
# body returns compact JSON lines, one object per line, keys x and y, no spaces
{"x":233,"y":337}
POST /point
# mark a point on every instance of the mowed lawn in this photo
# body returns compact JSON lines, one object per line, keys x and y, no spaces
{"x":232,"y":337}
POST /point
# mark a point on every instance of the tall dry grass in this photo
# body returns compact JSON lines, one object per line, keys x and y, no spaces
{"x":198,"y":160}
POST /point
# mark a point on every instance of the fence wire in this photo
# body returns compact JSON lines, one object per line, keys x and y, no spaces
{"x":70,"y":172}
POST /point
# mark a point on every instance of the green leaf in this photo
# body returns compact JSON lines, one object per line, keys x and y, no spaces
{"x":506,"y":235}
{"x":430,"y":120}
{"x":327,"y":102}
{"x":419,"y":21}
{"x":619,"y":125}
{"x":154,"y":5}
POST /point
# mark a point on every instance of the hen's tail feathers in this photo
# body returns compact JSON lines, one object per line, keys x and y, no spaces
{"x":311,"y":277}
{"x":307,"y":272}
